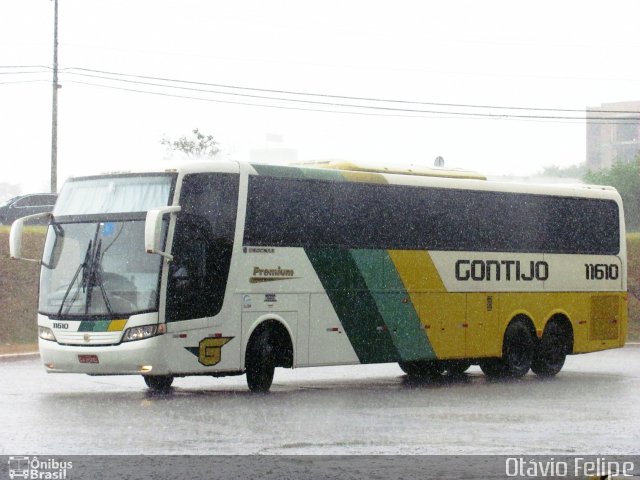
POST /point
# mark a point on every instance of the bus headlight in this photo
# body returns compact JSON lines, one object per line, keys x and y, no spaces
{"x":46,"y":334}
{"x":140,"y":333}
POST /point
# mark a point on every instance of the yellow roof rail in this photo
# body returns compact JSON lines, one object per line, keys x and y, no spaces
{"x":419,"y":171}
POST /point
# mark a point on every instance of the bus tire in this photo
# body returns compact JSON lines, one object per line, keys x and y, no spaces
{"x":517,"y":352}
{"x":260,"y":362}
{"x":158,"y":383}
{"x":552,"y":351}
{"x":518,"y":349}
{"x":422,"y":368}
{"x":457,"y":367}
{"x":493,"y":367}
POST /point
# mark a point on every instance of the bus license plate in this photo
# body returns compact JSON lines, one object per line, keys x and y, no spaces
{"x":88,"y":358}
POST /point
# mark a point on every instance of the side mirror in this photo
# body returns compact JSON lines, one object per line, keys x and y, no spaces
{"x":153,"y":230}
{"x":15,"y":237}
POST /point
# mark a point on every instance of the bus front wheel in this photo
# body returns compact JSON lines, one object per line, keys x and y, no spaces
{"x":260,"y":363}
{"x":422,"y":368}
{"x":158,"y":383}
{"x":457,"y":367}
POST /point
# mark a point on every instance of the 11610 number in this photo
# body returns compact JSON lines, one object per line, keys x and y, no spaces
{"x":601,"y":271}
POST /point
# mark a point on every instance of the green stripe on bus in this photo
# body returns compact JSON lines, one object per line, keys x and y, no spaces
{"x":394,"y":304}
{"x":277,"y":171}
{"x":354,"y":304}
{"x":379,"y":326}
{"x":322,"y":174}
{"x":94,"y":326}
{"x":297,"y":172}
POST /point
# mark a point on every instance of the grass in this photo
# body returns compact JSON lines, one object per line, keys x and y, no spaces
{"x":19,"y":288}
{"x":633,"y":280}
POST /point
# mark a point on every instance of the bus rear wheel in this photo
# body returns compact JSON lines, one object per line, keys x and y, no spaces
{"x":517,"y":353}
{"x":422,"y":368}
{"x":551,"y":352}
{"x":493,"y":367}
{"x":158,"y":383}
{"x":260,"y":363}
{"x":457,"y":367}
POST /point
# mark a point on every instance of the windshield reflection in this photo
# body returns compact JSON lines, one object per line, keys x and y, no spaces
{"x":98,"y":269}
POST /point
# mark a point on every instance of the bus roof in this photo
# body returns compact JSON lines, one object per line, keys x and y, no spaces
{"x":426,"y":176}
{"x":416,"y":171}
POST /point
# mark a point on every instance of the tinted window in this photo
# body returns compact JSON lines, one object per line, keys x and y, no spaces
{"x":48,"y":199}
{"x":202,"y":245}
{"x":43,"y":200}
{"x":35,"y":201}
{"x":25,"y":201}
{"x":302,"y":212}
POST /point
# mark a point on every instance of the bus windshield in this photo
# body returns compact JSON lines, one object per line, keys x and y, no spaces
{"x":98,"y":269}
{"x":94,"y":261}
{"x":117,"y":194}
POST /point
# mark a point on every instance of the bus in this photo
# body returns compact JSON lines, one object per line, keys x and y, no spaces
{"x":230,"y":268}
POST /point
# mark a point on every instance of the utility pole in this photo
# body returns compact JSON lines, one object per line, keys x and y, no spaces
{"x":54,"y":109}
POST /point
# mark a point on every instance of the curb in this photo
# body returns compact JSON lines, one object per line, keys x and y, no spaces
{"x":9,"y":357}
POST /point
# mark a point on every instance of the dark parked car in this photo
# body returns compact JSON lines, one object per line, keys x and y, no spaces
{"x":24,"y":205}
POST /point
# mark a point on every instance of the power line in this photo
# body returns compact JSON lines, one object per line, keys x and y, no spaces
{"x":357,"y":106}
{"x":444,"y":115}
{"x":26,"y":66}
{"x":14,"y":82}
{"x":282,"y":107}
{"x":288,"y":98}
{"x":342,"y":97}
{"x":24,"y":72}
{"x":70,"y":70}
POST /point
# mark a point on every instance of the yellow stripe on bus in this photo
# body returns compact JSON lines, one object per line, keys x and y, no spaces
{"x":116,"y":325}
{"x":364,"y":177}
{"x":417,"y":271}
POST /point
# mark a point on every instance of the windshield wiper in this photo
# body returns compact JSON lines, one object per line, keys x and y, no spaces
{"x":94,"y":277}
{"x":81,"y":268}
{"x":91,"y":269}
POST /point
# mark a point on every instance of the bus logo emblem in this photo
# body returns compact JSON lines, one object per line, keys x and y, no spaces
{"x":261,"y":275}
{"x":209,"y":351}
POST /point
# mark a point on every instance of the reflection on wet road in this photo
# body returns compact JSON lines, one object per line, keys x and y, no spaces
{"x":591,"y":407}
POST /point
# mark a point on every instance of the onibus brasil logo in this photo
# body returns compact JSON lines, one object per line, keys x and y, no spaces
{"x":37,"y":469}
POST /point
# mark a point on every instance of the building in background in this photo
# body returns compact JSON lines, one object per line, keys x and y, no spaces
{"x":274,"y":151}
{"x":613,"y":134}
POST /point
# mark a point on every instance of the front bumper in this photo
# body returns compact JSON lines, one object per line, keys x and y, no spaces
{"x":128,"y":358}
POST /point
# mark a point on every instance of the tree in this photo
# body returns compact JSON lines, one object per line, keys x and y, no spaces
{"x":573,"y":171}
{"x":198,"y":145}
{"x":625,"y":177}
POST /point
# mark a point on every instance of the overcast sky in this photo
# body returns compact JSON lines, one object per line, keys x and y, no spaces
{"x":526,"y":54}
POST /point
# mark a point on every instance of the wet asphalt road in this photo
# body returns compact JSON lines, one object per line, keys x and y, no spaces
{"x":591,"y":407}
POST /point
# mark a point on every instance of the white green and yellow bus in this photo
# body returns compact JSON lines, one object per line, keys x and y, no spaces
{"x":225,"y":268}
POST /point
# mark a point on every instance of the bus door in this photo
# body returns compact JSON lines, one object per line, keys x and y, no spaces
{"x":197,"y":281}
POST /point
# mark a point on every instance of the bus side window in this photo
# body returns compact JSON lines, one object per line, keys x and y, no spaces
{"x":188,"y":271}
{"x":202,"y":246}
